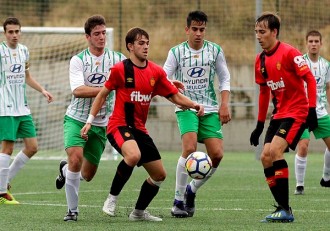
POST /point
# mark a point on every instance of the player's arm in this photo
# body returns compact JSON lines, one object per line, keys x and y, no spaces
{"x":35,"y":85}
{"x":96,"y":106}
{"x":185,"y":102}
{"x":224,"y":113}
{"x":327,"y":90}
{"x":311,"y":121}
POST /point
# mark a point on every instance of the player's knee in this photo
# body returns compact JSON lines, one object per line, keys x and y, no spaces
{"x":266,"y":159}
{"x":158,"y":181}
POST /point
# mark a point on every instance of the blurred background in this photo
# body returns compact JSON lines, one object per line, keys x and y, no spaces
{"x":231,"y":25}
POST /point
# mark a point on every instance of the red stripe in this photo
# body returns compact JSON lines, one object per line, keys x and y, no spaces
{"x":282,"y":173}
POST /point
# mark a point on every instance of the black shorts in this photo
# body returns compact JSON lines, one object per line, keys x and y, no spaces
{"x":148,"y":149}
{"x":287,"y":128}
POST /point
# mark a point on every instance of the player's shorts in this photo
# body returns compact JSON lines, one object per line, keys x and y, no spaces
{"x":207,"y":126}
{"x":322,"y":130}
{"x":287,"y":128}
{"x":14,"y":127}
{"x":93,"y":147}
{"x":148,"y":149}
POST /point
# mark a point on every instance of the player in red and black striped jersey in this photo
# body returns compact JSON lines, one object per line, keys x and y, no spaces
{"x":281,"y":70}
{"x":136,"y":81}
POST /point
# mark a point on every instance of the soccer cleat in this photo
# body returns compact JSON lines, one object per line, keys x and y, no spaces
{"x":189,"y":201}
{"x":109,"y":206}
{"x":299,"y":190}
{"x":9,"y":193}
{"x":144,"y":216}
{"x":6,"y":199}
{"x":60,"y":179}
{"x":178,"y":209}
{"x":280,"y":215}
{"x":324,"y":183}
{"x":71,"y":216}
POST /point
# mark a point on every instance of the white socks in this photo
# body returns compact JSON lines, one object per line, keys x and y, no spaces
{"x":4,"y":172}
{"x":300,"y":165}
{"x":18,"y":163}
{"x":326,"y":166}
{"x":72,"y":185}
{"x":196,"y":184}
{"x":181,"y":179}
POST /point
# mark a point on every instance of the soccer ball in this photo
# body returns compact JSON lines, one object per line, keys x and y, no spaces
{"x":198,"y":165}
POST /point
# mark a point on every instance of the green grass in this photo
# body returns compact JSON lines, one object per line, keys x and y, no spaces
{"x":236,"y":198}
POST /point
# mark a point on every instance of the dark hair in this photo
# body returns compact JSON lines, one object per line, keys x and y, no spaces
{"x":11,"y":21}
{"x":198,"y":16}
{"x":314,"y":33}
{"x":272,"y":20}
{"x":92,"y":22}
{"x":133,"y":34}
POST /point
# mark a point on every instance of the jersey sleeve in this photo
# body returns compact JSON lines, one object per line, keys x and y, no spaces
{"x":164,"y":87}
{"x":170,"y":65}
{"x":259,"y":79}
{"x":299,"y":63}
{"x":113,"y":81}
{"x":222,"y":72}
{"x":76,"y":74}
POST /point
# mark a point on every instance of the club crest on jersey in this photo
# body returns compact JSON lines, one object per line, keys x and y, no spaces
{"x":196,"y":56}
{"x":278,"y":65}
{"x":96,"y":78}
{"x":152,"y":81}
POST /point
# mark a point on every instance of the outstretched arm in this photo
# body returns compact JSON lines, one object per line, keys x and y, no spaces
{"x":96,"y":106}
{"x":185,"y":102}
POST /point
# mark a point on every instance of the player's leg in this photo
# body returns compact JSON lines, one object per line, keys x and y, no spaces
{"x":293,"y":130}
{"x":128,"y":148}
{"x":151,"y":161}
{"x":301,"y":162}
{"x":323,"y":131}
{"x":188,"y":125}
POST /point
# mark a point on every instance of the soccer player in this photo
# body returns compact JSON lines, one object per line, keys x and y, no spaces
{"x":88,"y":72}
{"x":196,"y":62}
{"x":320,"y":68}
{"x":15,"y":115}
{"x":282,"y":71}
{"x":136,"y":81}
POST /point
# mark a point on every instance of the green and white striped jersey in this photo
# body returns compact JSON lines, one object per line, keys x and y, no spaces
{"x":321,"y":72}
{"x":196,"y":69}
{"x":89,"y":70}
{"x":13,"y":101}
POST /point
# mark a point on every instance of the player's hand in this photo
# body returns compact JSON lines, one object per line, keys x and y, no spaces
{"x":254,"y":138}
{"x":84,"y":131}
{"x":200,"y":109}
{"x":224,"y":114}
{"x":48,"y":96}
{"x":311,"y":121}
{"x":179,"y":85}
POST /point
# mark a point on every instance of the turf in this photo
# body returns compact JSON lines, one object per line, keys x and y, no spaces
{"x":236,"y":198}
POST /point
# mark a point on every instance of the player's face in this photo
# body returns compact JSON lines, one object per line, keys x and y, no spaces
{"x":140,"y":48}
{"x":97,"y":38}
{"x":313,"y":44}
{"x":196,"y":34}
{"x":266,"y":37}
{"x":12,"y":34}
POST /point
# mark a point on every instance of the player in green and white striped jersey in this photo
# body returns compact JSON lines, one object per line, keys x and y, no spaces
{"x":88,"y":72}
{"x":196,"y":62}
{"x":15,"y":116}
{"x":320,"y":68}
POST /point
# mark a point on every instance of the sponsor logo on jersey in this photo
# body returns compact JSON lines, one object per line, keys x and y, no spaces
{"x":138,"y":97}
{"x":16,"y":68}
{"x":275,"y":85}
{"x":300,"y":61}
{"x":129,"y":79}
{"x":96,"y":78}
{"x":196,"y":72}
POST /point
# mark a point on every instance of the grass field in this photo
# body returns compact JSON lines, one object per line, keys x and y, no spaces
{"x":236,"y":198}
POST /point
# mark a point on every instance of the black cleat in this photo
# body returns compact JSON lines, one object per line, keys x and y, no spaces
{"x":60,"y":179}
{"x":189,"y":201}
{"x":299,"y":190}
{"x":71,"y":216}
{"x":178,"y":210}
{"x":324,"y":183}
